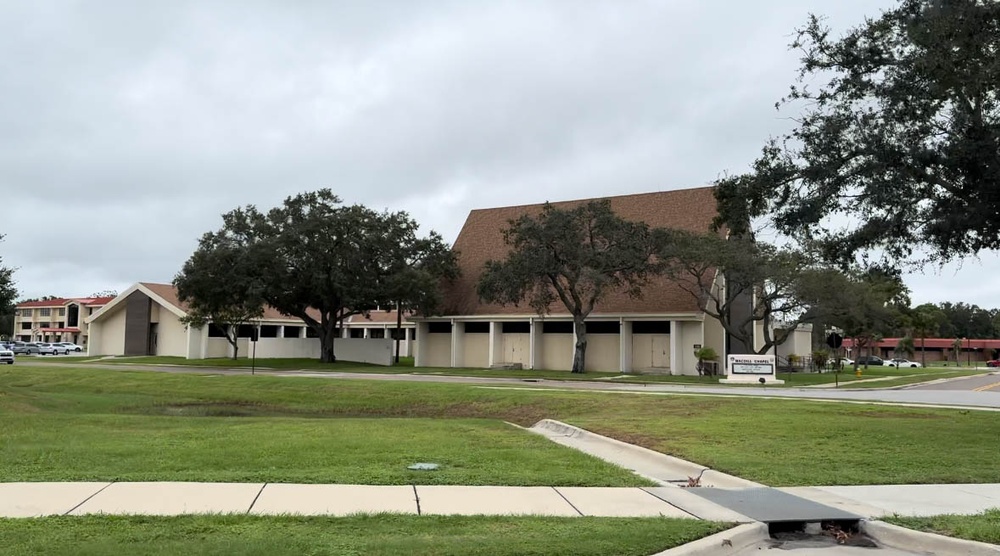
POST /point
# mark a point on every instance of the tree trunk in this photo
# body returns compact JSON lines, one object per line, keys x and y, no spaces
{"x":580,"y":354}
{"x":399,"y":327}
{"x":233,"y":336}
{"x":327,"y":334}
{"x":923,"y":352}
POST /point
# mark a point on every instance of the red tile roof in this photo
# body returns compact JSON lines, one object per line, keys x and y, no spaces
{"x":481,"y":239}
{"x":935,"y":343}
{"x":61,"y":301}
{"x":58,"y":302}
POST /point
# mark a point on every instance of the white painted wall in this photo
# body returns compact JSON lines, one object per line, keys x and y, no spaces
{"x":171,"y":335}
{"x":110,"y":333}
{"x":557,"y":352}
{"x":799,"y":342}
{"x":436,"y":352}
{"x":217,"y":347}
{"x":477,"y":351}
{"x":376,"y":351}
{"x":603,"y":353}
{"x":690,"y":334}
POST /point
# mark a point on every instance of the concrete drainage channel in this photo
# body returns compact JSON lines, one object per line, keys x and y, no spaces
{"x":770,"y":518}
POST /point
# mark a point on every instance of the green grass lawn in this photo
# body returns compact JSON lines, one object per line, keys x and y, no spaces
{"x":368,"y":535}
{"x":984,"y":527}
{"x":159,"y":422}
{"x":792,"y":380}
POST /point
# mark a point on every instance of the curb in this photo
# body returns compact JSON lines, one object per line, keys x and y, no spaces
{"x":945,"y":380}
{"x":925,"y":543}
{"x":730,"y":541}
{"x":653,"y":458}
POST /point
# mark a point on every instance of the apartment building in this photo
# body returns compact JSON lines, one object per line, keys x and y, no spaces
{"x":56,"y":320}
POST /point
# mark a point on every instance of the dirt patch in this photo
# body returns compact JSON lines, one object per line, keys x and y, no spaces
{"x":875,"y":414}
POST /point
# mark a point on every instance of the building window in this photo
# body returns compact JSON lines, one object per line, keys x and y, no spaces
{"x":477,"y":328}
{"x":603,"y":327}
{"x":311,"y":332}
{"x":62,"y":311}
{"x":60,"y":325}
{"x":357,"y":332}
{"x":557,"y":327}
{"x":45,"y":312}
{"x":376,"y":333}
{"x":45,"y":325}
{"x":25,"y":326}
{"x":397,"y":333}
{"x":24,"y":312}
{"x":216,"y":331}
{"x":516,"y":327}
{"x":439,"y":327}
{"x":268,"y":331}
{"x":292,"y":331}
{"x":651,"y":327}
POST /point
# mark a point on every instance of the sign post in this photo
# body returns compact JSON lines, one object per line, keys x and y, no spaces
{"x":751,"y":369}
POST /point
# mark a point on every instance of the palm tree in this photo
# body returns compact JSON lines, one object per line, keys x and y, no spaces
{"x":956,"y":346}
{"x":905,"y":347}
{"x":926,"y":319}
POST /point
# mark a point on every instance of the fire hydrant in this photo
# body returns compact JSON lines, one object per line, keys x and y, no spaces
{"x":857,"y":373}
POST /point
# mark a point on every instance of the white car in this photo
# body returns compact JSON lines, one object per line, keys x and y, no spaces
{"x":6,"y":356}
{"x":900,"y":363}
{"x":70,"y":346}
{"x":45,"y":348}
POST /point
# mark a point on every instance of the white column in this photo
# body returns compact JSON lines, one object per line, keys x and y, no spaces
{"x":675,"y":347}
{"x":281,"y":331}
{"x":303,"y":331}
{"x":367,"y":333}
{"x":496,"y":343}
{"x":420,"y":350}
{"x":535,"y":344}
{"x":93,"y":339}
{"x":457,"y":343}
{"x":625,"y":347}
{"x":204,"y":342}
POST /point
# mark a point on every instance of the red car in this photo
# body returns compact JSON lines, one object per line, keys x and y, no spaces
{"x":993,"y":363}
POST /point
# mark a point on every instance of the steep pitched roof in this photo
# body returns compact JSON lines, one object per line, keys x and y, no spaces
{"x":481,"y":240}
{"x":169,"y":294}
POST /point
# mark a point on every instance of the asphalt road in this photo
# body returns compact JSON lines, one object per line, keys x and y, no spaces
{"x":985,"y":383}
{"x":956,"y":393}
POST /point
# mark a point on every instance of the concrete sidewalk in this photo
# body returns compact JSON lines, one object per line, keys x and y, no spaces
{"x":910,"y":500}
{"x":173,"y":498}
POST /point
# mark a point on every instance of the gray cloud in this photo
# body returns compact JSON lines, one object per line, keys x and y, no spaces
{"x":127,"y":128}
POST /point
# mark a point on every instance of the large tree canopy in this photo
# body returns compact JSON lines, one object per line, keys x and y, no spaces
{"x":575,"y":256}
{"x":8,"y":293}
{"x":222,"y":285}
{"x":898,"y":142}
{"x":322,"y":261}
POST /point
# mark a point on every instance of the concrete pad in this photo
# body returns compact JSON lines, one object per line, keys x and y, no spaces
{"x":920,"y":500}
{"x":172,"y":498}
{"x":836,"y":501}
{"x":337,"y":500}
{"x":619,"y":502}
{"x":695,"y":505}
{"x":38,"y":499}
{"x":492,"y":500}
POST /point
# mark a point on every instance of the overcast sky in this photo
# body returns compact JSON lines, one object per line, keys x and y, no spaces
{"x":127,"y":128}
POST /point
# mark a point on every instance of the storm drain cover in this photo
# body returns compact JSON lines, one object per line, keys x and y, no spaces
{"x":423,"y":467}
{"x":771,"y":505}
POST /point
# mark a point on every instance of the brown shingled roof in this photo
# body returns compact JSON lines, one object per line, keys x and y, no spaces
{"x":169,"y":294}
{"x":481,"y":239}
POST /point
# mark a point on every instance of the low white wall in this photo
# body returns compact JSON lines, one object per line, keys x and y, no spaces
{"x":376,"y":351}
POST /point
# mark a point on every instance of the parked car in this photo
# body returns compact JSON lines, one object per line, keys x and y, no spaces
{"x":45,"y":348}
{"x":870,"y":360}
{"x":24,"y":348}
{"x":901,"y":363}
{"x":70,"y":346}
{"x":993,"y":363}
{"x":6,"y":356}
{"x":60,"y":348}
{"x":844,"y":362}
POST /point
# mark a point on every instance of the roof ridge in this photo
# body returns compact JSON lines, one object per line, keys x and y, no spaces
{"x":609,"y":197}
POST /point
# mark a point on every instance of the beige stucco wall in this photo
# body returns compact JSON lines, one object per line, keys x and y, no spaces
{"x":650,"y":351}
{"x":217,"y":347}
{"x":690,"y":334}
{"x":110,"y":333}
{"x":557,"y":352}
{"x":171,"y":335}
{"x":477,"y":351}
{"x":715,"y":338}
{"x":438,"y":350}
{"x":603,"y":352}
{"x":516,"y":348}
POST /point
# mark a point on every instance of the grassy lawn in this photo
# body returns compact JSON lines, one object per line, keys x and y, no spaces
{"x":369,"y":535}
{"x":176,"y":426}
{"x":984,"y":527}
{"x":792,"y":380}
{"x":224,"y":448}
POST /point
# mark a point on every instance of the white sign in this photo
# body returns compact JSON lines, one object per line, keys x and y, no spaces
{"x":751,"y":368}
